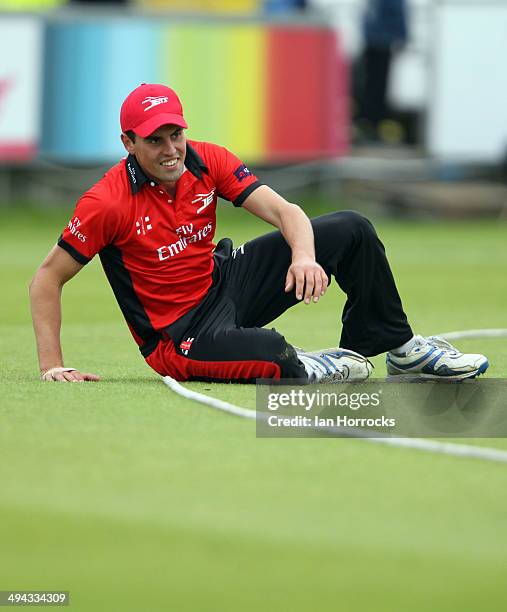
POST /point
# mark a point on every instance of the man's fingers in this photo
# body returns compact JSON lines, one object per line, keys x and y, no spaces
{"x":76,"y":377}
{"x":289,"y":281}
{"x":61,"y":374}
{"x":325,"y":283}
{"x":91,"y":377}
{"x":307,"y":280}
{"x":70,"y":376}
{"x":309,"y":285}
{"x":317,"y":290}
{"x":58,"y":377}
{"x":300,"y":285}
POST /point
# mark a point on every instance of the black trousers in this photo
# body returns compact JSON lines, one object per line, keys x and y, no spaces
{"x":227,"y":327}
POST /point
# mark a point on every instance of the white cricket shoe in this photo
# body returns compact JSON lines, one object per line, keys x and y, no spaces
{"x":435,"y":358}
{"x":335,"y":365}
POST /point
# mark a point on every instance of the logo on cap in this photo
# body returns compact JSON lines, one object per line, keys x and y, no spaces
{"x":154,"y":101}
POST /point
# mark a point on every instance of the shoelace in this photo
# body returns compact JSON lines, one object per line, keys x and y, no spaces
{"x":333,"y":350}
{"x":440,"y":343}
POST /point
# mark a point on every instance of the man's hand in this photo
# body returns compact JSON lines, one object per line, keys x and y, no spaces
{"x":307,"y":276}
{"x":67,"y":375}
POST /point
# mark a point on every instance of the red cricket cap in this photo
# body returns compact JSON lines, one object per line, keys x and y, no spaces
{"x":148,"y":107}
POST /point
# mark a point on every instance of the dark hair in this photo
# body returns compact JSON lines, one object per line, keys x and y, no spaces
{"x":131,"y":135}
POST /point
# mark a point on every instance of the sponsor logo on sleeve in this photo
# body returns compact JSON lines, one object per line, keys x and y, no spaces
{"x":242,"y":172}
{"x":73,"y":228}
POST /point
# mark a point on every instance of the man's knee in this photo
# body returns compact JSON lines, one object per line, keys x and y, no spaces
{"x":340,"y":233}
{"x":272,"y":346}
{"x":352,"y":222}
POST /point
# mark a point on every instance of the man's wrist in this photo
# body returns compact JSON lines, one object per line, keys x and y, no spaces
{"x":45,"y":369}
{"x":299,"y":255}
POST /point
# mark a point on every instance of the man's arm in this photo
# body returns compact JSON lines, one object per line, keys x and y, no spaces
{"x":304,"y":274}
{"x":45,"y":298}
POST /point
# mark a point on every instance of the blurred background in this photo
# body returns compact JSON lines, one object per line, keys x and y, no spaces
{"x":395,"y":105}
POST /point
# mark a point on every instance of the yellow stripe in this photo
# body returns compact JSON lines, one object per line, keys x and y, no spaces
{"x":219,"y":73}
{"x":247,"y":92}
{"x":196,"y":72}
{"x":19,"y":5}
{"x":229,"y":6}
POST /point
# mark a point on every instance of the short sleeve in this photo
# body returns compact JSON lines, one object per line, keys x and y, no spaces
{"x":92,"y":226}
{"x":235,"y":182}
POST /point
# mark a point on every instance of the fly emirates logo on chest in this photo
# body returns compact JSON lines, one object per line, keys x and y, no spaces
{"x":187,"y":234}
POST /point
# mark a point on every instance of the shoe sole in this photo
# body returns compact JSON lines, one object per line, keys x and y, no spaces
{"x":405,"y":376}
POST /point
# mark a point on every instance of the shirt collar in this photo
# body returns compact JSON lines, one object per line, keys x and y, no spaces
{"x":194,"y":162}
{"x":137,"y":177}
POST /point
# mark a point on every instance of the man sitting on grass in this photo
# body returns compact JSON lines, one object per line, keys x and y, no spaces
{"x":198,"y":311}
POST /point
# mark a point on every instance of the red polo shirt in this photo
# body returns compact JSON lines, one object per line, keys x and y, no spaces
{"x":156,"y":250}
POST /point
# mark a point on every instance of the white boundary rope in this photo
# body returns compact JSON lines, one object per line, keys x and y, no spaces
{"x":474,"y":333}
{"x":213,"y":402}
{"x":431,"y":446}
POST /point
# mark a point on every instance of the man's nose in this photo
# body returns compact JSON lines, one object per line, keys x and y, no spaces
{"x":169,"y":148}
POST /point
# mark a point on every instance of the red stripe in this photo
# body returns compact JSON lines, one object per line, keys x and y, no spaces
{"x":305,"y":103}
{"x":10,"y":151}
{"x":167,"y":362}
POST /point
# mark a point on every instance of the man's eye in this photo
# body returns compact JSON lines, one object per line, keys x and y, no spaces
{"x":153,"y":140}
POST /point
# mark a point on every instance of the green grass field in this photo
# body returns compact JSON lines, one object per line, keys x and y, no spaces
{"x":137,"y":500}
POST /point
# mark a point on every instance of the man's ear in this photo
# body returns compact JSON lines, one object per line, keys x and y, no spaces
{"x":128,"y":144}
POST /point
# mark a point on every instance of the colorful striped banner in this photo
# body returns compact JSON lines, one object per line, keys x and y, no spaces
{"x":269,"y":93}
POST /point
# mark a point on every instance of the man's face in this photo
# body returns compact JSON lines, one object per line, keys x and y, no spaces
{"x":162,"y":154}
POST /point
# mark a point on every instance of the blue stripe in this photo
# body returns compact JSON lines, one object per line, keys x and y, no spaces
{"x":88,"y":86}
{"x":89,"y":70}
{"x":408,"y":366}
{"x":59,"y":99}
{"x":124,"y":71}
{"x":320,"y":361}
{"x":429,"y":367}
{"x":328,"y":361}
